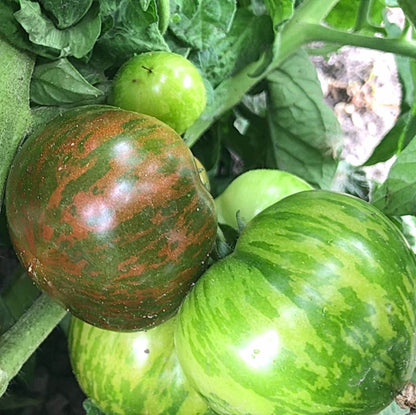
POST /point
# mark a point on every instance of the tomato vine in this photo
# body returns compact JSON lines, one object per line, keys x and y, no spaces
{"x":305,"y":26}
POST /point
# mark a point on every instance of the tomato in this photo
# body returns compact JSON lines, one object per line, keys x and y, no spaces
{"x":253,"y":191}
{"x":313,"y":313}
{"x":132,"y":373}
{"x":165,"y":85}
{"x":107,"y":213}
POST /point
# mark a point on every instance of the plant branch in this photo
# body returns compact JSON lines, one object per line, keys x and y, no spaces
{"x":21,"y":340}
{"x":334,"y":36}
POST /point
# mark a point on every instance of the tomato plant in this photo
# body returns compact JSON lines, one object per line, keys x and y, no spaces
{"x":132,"y":373}
{"x":162,"y":84}
{"x":314,"y":312}
{"x":256,"y":103}
{"x":253,"y":191}
{"x":105,"y":209}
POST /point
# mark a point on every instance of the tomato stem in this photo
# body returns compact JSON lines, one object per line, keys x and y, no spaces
{"x":21,"y":340}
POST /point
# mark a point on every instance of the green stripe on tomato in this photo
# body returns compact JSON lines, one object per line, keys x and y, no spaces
{"x":132,"y":373}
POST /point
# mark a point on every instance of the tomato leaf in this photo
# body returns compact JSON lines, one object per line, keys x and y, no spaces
{"x":67,"y":13}
{"x":344,"y":14}
{"x":389,"y":145}
{"x":248,"y":37}
{"x":304,"y":130}
{"x":409,"y":8}
{"x":52,"y":42}
{"x":128,"y":29}
{"x":202,"y":23}
{"x":279,"y":10}
{"x":396,"y":196}
{"x":90,"y":408}
{"x":59,"y":83}
{"x":16,"y":68}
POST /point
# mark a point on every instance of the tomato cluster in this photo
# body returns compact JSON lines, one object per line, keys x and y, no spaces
{"x":313,"y":311}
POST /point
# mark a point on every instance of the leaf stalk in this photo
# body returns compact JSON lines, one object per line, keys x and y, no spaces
{"x":19,"y":342}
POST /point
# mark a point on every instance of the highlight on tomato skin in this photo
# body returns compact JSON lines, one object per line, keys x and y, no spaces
{"x":106,"y":210}
{"x":162,"y":84}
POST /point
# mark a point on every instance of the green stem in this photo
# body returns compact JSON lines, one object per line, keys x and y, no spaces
{"x":21,"y":340}
{"x":362,"y":16}
{"x":392,"y":45}
{"x":163,"y":11}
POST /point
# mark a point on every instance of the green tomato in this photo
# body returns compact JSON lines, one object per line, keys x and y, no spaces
{"x":132,"y":373}
{"x":254,"y":191}
{"x":313,"y":313}
{"x":162,"y":84}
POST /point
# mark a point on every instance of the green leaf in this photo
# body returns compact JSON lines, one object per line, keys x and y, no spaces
{"x":396,"y":196}
{"x":345,"y":14}
{"x":90,"y":408}
{"x":408,"y":228}
{"x":404,"y":129}
{"x":59,"y":83}
{"x":406,"y":69}
{"x":16,"y":70}
{"x":66,"y":13}
{"x":280,"y":10}
{"x":248,"y":37}
{"x":409,"y":8}
{"x":305,"y":132}
{"x":42,"y":115}
{"x":128,"y":30}
{"x":51,"y":42}
{"x":202,"y":23}
{"x":390,"y":144}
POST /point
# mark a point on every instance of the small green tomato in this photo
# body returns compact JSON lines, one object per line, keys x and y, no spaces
{"x":162,"y":84}
{"x":253,"y":191}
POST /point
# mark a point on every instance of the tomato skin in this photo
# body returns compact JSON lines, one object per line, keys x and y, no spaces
{"x":314,"y":312}
{"x":162,"y":84}
{"x":106,"y":210}
{"x":254,"y":191}
{"x":132,"y":373}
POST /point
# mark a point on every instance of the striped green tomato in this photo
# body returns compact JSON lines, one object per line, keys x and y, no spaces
{"x":253,"y":191}
{"x":313,"y":313}
{"x":108,"y":214}
{"x":132,"y":373}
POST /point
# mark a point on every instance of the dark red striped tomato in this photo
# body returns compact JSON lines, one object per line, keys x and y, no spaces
{"x":108,"y":215}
